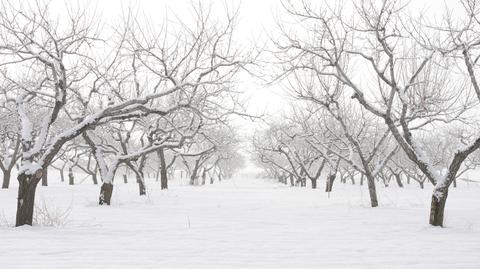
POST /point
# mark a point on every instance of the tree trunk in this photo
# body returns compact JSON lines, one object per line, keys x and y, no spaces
{"x":352,"y":178}
{"x":292,"y":182}
{"x":330,"y":180}
{"x":26,"y":197}
{"x":372,"y":190}
{"x":62,"y":175}
{"x":6,"y":179}
{"x":125,"y":179}
{"x":45,"y":177}
{"x":455,"y":183}
{"x":141,"y":184}
{"x":398,"y":178}
{"x":314,"y":183}
{"x":204,"y":176}
{"x":421,"y":185}
{"x":105,"y":194}
{"x":95,"y":179}
{"x":437,"y":207}
{"x":385,"y":182}
{"x":193,"y":176}
{"x":362,"y":177}
{"x":71,"y":178}
{"x":163,"y":170}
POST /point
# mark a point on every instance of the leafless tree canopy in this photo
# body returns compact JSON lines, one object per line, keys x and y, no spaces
{"x":377,"y":94}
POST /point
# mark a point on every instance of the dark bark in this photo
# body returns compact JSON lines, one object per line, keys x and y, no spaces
{"x":26,"y":197}
{"x":386,"y":181}
{"x":329,"y":183}
{"x":314,"y":183}
{"x":71,"y":178}
{"x":455,"y":183}
{"x":398,"y":178}
{"x":6,"y":179}
{"x":94,"y":178}
{"x":362,"y":177}
{"x":105,"y":194}
{"x":45,"y":177}
{"x":62,"y":174}
{"x":141,"y":184}
{"x":292,"y":181}
{"x":372,"y":190}
{"x":437,"y":207}
{"x":193,"y":176}
{"x":204,"y":176}
{"x":125,"y":179}
{"x":422,"y":186}
{"x":163,"y":170}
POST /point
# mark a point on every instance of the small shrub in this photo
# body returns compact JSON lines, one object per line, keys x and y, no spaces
{"x":52,"y":216}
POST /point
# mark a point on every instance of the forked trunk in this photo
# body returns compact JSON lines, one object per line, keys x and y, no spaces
{"x":26,"y":197}
{"x":6,"y":179}
{"x":437,"y":207}
{"x":105,"y":194}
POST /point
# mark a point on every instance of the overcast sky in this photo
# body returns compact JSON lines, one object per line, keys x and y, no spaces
{"x":256,"y":23}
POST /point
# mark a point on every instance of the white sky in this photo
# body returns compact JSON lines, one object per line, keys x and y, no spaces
{"x":257,"y":21}
{"x":256,"y":24}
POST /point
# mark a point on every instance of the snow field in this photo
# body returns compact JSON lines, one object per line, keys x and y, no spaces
{"x":244,"y":223}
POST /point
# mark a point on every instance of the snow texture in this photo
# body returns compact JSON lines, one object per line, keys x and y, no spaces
{"x":244,"y":224}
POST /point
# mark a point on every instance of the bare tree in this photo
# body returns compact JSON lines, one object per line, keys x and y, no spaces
{"x":10,"y":150}
{"x":61,"y":75}
{"x":413,"y":92}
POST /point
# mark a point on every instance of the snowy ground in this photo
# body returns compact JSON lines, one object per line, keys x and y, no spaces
{"x":244,"y":224}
